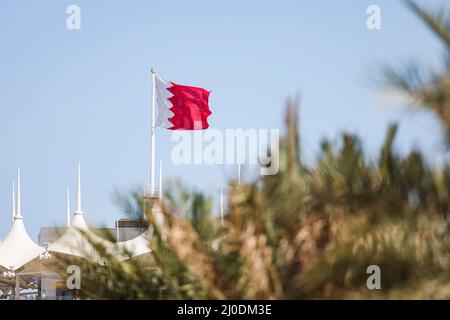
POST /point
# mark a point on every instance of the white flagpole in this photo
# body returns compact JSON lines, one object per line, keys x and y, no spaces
{"x":239,"y":174}
{"x":153,"y":154}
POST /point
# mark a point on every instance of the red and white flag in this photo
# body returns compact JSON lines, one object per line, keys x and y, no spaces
{"x":181,"y":107}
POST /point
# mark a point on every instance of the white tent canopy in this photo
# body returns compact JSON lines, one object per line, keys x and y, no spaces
{"x":136,"y":246}
{"x":78,"y":239}
{"x":17,"y":248}
{"x":74,"y":241}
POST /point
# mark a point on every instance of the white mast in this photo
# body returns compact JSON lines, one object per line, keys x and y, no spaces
{"x":153,"y":152}
{"x":78,"y":210}
{"x":239,"y":174}
{"x":13,"y":202}
{"x":68,"y":208}
{"x":19,"y":205}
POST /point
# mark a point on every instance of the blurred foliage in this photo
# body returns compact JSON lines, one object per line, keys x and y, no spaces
{"x":424,"y":85}
{"x":309,"y":231}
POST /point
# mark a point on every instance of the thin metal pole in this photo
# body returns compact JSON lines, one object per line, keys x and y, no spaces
{"x":239,"y":174}
{"x":153,"y":151}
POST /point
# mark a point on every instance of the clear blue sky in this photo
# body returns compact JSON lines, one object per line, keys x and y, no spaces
{"x":85,"y":94}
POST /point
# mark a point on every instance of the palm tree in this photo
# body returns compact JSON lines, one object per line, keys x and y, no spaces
{"x":429,"y":89}
{"x":310,"y":231}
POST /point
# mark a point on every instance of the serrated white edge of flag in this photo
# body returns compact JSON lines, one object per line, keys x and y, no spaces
{"x":163,"y":103}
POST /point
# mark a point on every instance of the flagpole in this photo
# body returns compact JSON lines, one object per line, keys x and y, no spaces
{"x":239,"y":174}
{"x":153,"y":152}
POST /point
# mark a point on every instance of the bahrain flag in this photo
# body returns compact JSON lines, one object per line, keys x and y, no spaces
{"x":181,"y":107}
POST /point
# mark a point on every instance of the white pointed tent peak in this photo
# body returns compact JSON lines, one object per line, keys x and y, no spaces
{"x":17,"y":249}
{"x":74,"y":241}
